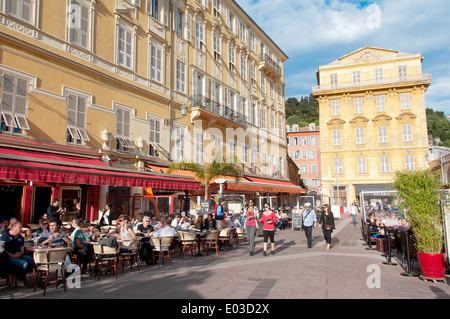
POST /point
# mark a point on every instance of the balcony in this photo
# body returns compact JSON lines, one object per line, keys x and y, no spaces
{"x":269,"y":66}
{"x":388,"y":82}
{"x":207,"y":107}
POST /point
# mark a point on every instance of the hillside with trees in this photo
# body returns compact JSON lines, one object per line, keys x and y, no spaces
{"x":302,"y":112}
{"x":438,"y":127}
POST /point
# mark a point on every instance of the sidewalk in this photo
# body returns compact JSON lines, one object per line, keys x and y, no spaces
{"x":294,"y":272}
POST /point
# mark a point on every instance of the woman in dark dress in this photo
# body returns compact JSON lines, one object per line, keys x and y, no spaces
{"x":327,"y":221}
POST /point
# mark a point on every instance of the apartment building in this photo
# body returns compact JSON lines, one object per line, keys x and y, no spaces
{"x":304,"y":150}
{"x":372,"y":120}
{"x":128,"y":87}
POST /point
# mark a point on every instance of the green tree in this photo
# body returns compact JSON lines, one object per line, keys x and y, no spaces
{"x":302,"y":112}
{"x":438,"y":126}
{"x":206,"y":173}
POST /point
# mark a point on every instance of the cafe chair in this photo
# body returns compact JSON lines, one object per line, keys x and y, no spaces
{"x":188,"y":240}
{"x":6,"y":270}
{"x":211,"y":241}
{"x":131,"y":255}
{"x":161,"y":248}
{"x":224,"y":237}
{"x":47,"y":261}
{"x":241,"y":235}
{"x":105,"y":257}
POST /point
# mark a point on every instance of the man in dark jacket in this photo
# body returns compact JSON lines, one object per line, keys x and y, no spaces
{"x":54,"y":211}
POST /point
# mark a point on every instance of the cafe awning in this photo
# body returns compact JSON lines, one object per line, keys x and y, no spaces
{"x":17,"y":164}
{"x":262,"y":185}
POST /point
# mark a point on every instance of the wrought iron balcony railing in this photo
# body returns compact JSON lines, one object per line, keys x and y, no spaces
{"x":218,"y":109}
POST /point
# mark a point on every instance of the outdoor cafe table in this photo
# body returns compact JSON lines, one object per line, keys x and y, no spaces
{"x":199,"y":234}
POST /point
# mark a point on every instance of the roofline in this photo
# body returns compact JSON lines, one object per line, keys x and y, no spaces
{"x":234,"y":1}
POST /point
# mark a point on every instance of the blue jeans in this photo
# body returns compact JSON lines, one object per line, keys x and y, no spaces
{"x":22,"y":265}
{"x":354,"y":219}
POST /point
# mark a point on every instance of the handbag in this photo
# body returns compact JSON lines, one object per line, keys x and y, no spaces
{"x":327,"y":226}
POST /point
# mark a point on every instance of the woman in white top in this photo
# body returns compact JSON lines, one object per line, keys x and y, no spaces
{"x":126,"y":233}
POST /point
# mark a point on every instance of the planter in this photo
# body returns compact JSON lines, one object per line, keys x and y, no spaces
{"x":432,"y":265}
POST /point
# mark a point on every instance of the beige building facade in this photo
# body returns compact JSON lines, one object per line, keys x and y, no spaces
{"x":141,"y":84}
{"x":372,"y":120}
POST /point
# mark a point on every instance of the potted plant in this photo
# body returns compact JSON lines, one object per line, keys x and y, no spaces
{"x":418,"y":194}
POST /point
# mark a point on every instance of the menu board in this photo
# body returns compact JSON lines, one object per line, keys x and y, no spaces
{"x":296,"y":220}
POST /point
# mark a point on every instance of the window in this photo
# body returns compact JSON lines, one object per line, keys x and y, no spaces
{"x":216,"y":9}
{"x":179,"y":136}
{"x":155,"y":63}
{"x":336,"y":137}
{"x":359,"y":132}
{"x":334,"y":107}
{"x":231,"y":57}
{"x":199,"y":36}
{"x":263,"y":83}
{"x":271,"y":89}
{"x":231,"y":22}
{"x":304,"y":155}
{"x":358,"y":104}
{"x":125,"y":57}
{"x":304,"y":169}
{"x":21,"y":9}
{"x":14,"y":104}
{"x":272,"y":122}
{"x":333,"y":80}
{"x":263,"y":118}
{"x":243,"y":32}
{"x":407,"y":133}
{"x":180,"y":76}
{"x":155,"y":137}
{"x":253,"y":74}
{"x":409,"y":162}
{"x":379,"y":75}
{"x":338,"y":166}
{"x":357,"y":77}
{"x":252,"y":41}
{"x":199,"y":147}
{"x":362,"y":167}
{"x":123,"y":141}
{"x":76,"y":119}
{"x":404,"y":101}
{"x":313,"y":168}
{"x":313,"y":140}
{"x":384,"y":164}
{"x":380,"y":101}
{"x":243,"y":67}
{"x":402,"y":75}
{"x":180,"y":24}
{"x":78,"y":23}
{"x":312,"y":155}
{"x":217,"y":47}
{"x":153,"y":8}
{"x":279,"y":93}
{"x":382,"y":134}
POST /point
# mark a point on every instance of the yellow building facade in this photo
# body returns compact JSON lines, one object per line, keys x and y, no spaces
{"x":142,"y":82}
{"x":372,"y":119}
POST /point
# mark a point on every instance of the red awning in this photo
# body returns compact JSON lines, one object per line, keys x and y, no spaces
{"x":19,"y":165}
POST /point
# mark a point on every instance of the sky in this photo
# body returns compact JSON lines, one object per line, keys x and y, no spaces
{"x":317,"y":32}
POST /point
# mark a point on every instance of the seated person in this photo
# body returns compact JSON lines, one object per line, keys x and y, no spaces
{"x":233,"y":222}
{"x":13,"y":244}
{"x":56,"y":237}
{"x":165,"y":231}
{"x":374,"y":226}
{"x":126,"y":233}
{"x":43,"y":230}
{"x":385,"y":219}
{"x":210,"y":222}
{"x":82,"y":249}
{"x":146,"y":249}
{"x":185,"y":223}
{"x":199,"y":225}
{"x":7,"y":226}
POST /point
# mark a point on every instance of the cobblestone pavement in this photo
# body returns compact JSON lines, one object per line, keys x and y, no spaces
{"x":347,"y":271}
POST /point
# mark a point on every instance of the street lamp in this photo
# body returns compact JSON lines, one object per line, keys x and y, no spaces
{"x":183,"y":113}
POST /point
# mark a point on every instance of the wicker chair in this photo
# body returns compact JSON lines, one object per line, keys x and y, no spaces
{"x":211,"y":241}
{"x":188,"y":240}
{"x":105,"y":257}
{"x":241,"y":235}
{"x":48,"y":261}
{"x":131,"y":255}
{"x":161,"y":248}
{"x":224,"y":237}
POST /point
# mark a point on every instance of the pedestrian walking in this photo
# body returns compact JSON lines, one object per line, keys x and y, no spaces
{"x":220,"y":214}
{"x":327,"y":222}
{"x":251,"y":225}
{"x":309,"y":220}
{"x":269,"y":219}
{"x":354,"y":212}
